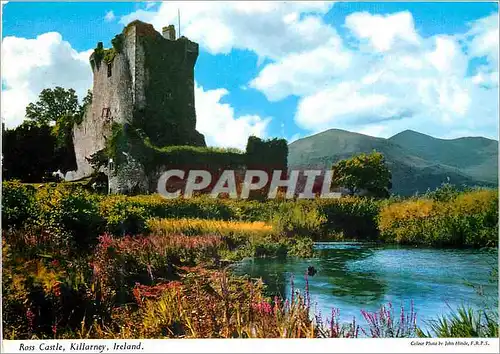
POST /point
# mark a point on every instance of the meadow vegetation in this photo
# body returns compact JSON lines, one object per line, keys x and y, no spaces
{"x":82,"y":265}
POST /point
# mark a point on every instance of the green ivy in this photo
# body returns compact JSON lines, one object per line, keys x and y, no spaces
{"x":117,"y":43}
{"x":98,"y":53}
{"x":108,"y":55}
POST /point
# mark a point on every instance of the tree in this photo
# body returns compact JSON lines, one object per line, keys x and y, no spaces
{"x":363,"y":172}
{"x":30,"y":153}
{"x":52,"y":106}
{"x":44,"y":142}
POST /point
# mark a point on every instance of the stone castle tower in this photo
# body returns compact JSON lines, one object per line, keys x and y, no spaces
{"x":146,"y":80}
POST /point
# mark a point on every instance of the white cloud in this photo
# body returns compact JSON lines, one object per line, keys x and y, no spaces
{"x":484,"y":38}
{"x":110,"y":16}
{"x":382,"y":77}
{"x":345,"y":103}
{"x":260,"y":26}
{"x":217,"y":121}
{"x":376,"y":130}
{"x":31,"y":65}
{"x":391,"y":77}
{"x":483,"y":43}
{"x":383,"y":32}
{"x":444,"y":56}
{"x":301,"y":73}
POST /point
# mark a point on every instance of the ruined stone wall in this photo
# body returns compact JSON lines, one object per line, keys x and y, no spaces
{"x":112,"y":92}
{"x":151,"y":87}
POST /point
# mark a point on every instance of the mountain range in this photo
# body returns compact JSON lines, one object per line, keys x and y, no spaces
{"x":418,"y":162}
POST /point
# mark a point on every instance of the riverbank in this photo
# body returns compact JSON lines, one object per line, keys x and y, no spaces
{"x":443,"y":218}
{"x":358,"y":275}
{"x":78,"y":265}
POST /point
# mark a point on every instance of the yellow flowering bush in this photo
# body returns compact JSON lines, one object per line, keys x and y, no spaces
{"x":467,"y":219}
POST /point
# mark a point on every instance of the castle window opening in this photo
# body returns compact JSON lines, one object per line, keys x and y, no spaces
{"x":106,"y":113}
{"x":109,"y":69}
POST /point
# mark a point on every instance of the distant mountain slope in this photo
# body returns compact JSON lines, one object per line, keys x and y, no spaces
{"x":475,"y":156}
{"x":417,"y":161}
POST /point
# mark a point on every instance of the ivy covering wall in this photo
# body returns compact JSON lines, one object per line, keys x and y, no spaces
{"x":128,"y":142}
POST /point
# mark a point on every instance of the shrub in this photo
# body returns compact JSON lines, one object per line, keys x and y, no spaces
{"x":293,"y":219}
{"x":354,"y":217}
{"x":43,"y":297}
{"x":266,"y":248}
{"x":213,"y":305}
{"x":128,"y":215}
{"x":469,"y":219}
{"x":69,"y":209}
{"x":120,"y":263}
{"x":444,"y":193}
{"x":300,"y":247}
{"x":253,"y":210}
{"x":124,"y":216}
{"x":18,"y":205}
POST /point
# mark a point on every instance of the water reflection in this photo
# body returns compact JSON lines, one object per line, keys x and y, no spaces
{"x":351,"y":276}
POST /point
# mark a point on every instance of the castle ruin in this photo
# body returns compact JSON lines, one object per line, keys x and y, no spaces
{"x":146,"y":81}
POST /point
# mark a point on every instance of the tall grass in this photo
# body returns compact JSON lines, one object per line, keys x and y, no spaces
{"x":202,"y":226}
{"x":468,"y":219}
{"x":464,"y":322}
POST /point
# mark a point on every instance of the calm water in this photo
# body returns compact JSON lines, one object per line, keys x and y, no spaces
{"x":354,"y":276}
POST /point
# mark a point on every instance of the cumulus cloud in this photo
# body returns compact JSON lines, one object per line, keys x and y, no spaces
{"x":380,"y":77}
{"x":31,"y":65}
{"x":302,"y":73}
{"x":383,"y":32}
{"x":271,"y":29}
{"x":484,"y":38}
{"x":383,"y":77}
{"x":483,"y":43}
{"x":110,"y":16}
{"x":217,"y":120}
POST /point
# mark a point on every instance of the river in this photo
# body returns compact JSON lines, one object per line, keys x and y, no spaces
{"x":354,"y":276}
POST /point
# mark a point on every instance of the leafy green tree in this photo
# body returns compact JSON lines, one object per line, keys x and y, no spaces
{"x":52,"y":106}
{"x":44,"y":142}
{"x":363,"y":172}
{"x":30,"y":153}
{"x":58,"y":108}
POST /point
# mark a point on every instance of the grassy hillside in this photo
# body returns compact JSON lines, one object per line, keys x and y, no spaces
{"x":475,"y":156}
{"x":417,"y":161}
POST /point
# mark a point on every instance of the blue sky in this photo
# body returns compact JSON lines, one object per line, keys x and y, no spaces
{"x":286,"y":70}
